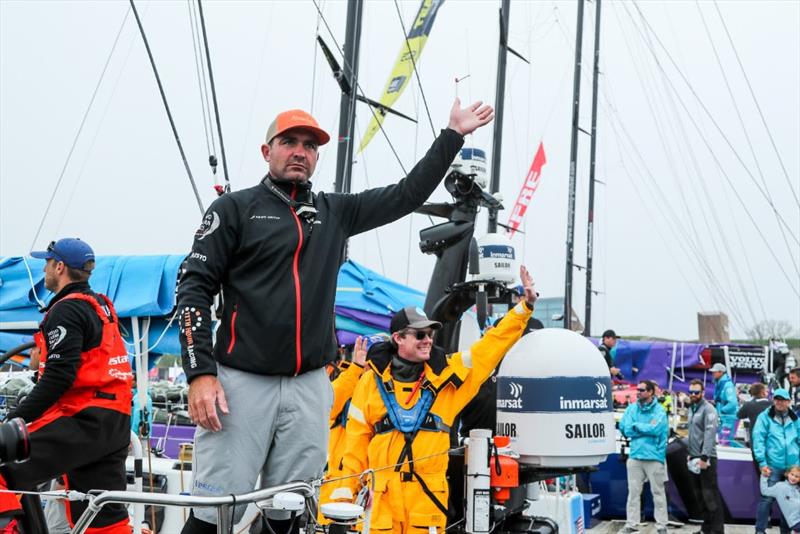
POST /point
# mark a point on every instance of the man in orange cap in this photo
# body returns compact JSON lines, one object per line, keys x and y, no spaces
{"x":259,"y":393}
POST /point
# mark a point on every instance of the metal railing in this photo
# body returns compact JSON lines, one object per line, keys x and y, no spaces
{"x":223,"y":504}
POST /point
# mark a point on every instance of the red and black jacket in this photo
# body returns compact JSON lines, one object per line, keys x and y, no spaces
{"x":85,"y":362}
{"x":278,"y":271}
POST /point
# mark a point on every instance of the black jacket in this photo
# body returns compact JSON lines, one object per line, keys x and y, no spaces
{"x":278,"y":272}
{"x":69,"y":328}
{"x":750,"y":410}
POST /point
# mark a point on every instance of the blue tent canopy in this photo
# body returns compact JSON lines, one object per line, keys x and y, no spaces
{"x":144,"y":286}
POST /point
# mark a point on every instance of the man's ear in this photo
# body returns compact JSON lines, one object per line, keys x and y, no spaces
{"x":265,"y":152}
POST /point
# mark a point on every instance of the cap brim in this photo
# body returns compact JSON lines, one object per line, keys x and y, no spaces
{"x":780,"y":397}
{"x":41,"y":255}
{"x":436,"y":325}
{"x":321,"y":135}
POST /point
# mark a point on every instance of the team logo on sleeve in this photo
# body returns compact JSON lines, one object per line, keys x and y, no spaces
{"x":209,"y":225}
{"x":56,"y":336}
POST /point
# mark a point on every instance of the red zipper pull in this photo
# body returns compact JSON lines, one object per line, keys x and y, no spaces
{"x":416,"y":387}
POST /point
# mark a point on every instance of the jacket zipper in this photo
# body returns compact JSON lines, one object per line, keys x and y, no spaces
{"x":296,"y":276}
{"x":233,"y":328}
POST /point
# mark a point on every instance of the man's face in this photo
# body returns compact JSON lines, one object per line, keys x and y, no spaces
{"x":414,"y":345}
{"x":794,"y":379}
{"x":781,"y":405}
{"x":609,"y":342}
{"x":717,"y":374}
{"x":51,"y":273}
{"x":644,"y":395}
{"x":695,"y":394}
{"x":292,"y":155}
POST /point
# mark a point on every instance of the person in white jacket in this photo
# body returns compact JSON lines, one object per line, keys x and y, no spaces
{"x":787,"y":493}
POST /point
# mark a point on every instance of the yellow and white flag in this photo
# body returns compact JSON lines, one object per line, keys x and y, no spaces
{"x":404,"y":66}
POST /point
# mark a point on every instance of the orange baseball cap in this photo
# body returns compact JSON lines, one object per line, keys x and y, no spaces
{"x":296,"y":118}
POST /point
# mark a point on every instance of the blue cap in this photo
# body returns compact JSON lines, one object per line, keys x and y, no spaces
{"x":70,"y":250}
{"x":781,"y":394}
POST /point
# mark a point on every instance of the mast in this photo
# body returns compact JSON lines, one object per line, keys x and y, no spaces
{"x":347,"y":106}
{"x":573,"y":157}
{"x":497,"y":139}
{"x":590,"y":222}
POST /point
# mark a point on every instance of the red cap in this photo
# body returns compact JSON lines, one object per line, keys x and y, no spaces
{"x":296,"y":118}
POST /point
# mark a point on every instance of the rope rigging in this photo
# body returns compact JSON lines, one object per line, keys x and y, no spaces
{"x":674,"y":222}
{"x":200,"y":71}
{"x":227,"y":187}
{"x":698,"y":245}
{"x":358,"y":88}
{"x":713,"y":154}
{"x":758,"y":106}
{"x":80,"y":129}
{"x":166,"y":108}
{"x":712,"y":119}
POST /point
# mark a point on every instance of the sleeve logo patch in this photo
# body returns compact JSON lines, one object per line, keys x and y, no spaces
{"x":56,"y":336}
{"x":209,"y":226}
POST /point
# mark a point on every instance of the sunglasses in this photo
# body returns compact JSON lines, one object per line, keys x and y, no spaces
{"x":420,"y":334}
{"x":51,"y":248}
{"x":695,"y":392}
{"x":642,"y":390}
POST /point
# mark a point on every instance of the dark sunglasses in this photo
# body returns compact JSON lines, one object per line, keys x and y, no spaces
{"x":642,"y":390}
{"x":51,"y":248}
{"x":420,"y":334}
{"x":695,"y":392}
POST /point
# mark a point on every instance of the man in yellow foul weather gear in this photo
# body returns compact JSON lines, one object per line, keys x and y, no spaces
{"x":401,"y":413}
{"x":348,"y":373}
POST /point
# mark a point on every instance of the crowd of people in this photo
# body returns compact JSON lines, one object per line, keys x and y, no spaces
{"x":773,"y":434}
{"x":260,"y":385}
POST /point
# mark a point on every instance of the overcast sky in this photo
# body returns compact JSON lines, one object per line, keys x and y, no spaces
{"x":685,"y":221}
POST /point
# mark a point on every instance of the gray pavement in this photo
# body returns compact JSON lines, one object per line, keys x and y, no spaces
{"x":612,"y":527}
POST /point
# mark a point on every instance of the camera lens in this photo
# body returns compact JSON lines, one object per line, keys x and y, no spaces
{"x":14,"y":443}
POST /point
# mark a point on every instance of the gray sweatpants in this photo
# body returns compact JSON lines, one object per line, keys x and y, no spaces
{"x":655,"y":472}
{"x":277,"y":428}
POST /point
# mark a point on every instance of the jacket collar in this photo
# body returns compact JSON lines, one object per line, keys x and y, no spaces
{"x":303,"y":188}
{"x":380,"y":356}
{"x":789,"y":413}
{"x":74,"y":287}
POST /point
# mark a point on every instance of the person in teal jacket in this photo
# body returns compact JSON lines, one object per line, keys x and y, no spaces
{"x":645,"y":425}
{"x":776,"y":447}
{"x":726,"y":402}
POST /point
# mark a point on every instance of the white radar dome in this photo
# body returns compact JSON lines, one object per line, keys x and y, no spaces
{"x":554,"y":400}
{"x":471,"y":162}
{"x":497,"y":259}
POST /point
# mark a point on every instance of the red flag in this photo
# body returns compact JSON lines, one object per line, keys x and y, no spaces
{"x":527,"y":191}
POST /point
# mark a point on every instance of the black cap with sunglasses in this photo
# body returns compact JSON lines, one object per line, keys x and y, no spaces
{"x":412,"y":317}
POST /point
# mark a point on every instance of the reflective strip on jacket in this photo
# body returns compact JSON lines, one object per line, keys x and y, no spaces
{"x":399,"y":499}
{"x":776,"y":444}
{"x":646,"y":426}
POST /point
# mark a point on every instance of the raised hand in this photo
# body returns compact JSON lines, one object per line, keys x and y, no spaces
{"x":467,"y":120}
{"x":527,"y":284}
{"x":360,"y":351}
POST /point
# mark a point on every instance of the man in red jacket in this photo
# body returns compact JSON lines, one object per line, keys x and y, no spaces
{"x":78,"y":413}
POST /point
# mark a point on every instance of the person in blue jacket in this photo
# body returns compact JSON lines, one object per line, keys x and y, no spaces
{"x":645,"y":425}
{"x":725,"y":400}
{"x":787,"y":494}
{"x":776,"y":447}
